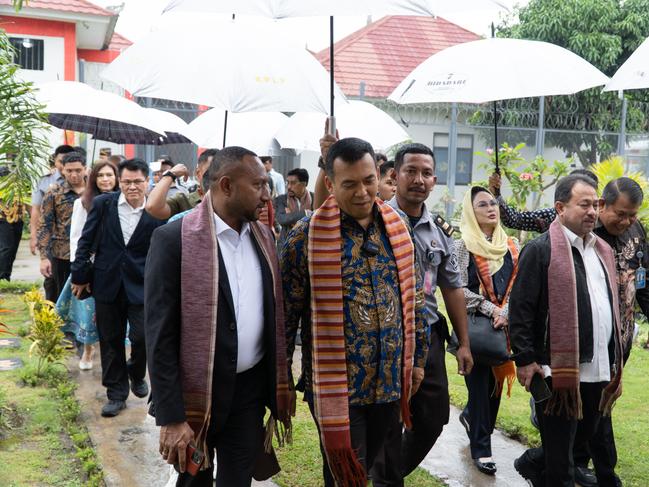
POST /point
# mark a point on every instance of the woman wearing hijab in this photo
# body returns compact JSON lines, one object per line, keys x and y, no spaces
{"x":488,"y":262}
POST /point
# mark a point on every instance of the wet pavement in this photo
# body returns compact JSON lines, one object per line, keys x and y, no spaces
{"x":26,"y":266}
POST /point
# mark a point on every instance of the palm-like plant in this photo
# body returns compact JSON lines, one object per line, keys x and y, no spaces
{"x":23,"y":125}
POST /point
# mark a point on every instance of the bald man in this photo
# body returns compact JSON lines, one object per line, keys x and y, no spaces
{"x":215,"y":328}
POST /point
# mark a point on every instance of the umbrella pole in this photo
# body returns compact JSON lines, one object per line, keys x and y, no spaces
{"x":496,"y":137}
{"x":332,"y":118}
{"x":225,"y":127}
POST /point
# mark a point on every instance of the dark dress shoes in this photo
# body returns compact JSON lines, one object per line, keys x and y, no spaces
{"x":488,"y":468}
{"x":585,"y":477}
{"x":112,"y":408}
{"x":140,"y":388}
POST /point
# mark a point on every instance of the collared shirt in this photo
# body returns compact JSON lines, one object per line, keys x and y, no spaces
{"x":44,"y":184}
{"x":244,"y":276}
{"x":175,"y":190}
{"x":436,"y":260}
{"x":279,"y":186}
{"x":182,"y":202}
{"x":53,"y":238}
{"x":129,"y":217}
{"x":371,"y":310}
{"x":599,"y":369}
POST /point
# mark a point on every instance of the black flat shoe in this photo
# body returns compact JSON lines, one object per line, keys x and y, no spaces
{"x":140,"y":388}
{"x":488,"y":468}
{"x":585,"y":477}
{"x":112,"y":408}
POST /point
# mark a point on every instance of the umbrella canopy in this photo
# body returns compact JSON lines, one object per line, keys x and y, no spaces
{"x":106,"y":116}
{"x":252,"y":130}
{"x":634,"y":73}
{"x":278,"y":9}
{"x":354,"y":119}
{"x":234,"y":65}
{"x":497,"y":69}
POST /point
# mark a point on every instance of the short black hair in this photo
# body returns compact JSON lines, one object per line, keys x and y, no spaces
{"x":563,"y":190}
{"x":385,"y":168}
{"x":134,"y":165}
{"x":625,"y":185}
{"x":206,"y":154}
{"x":205,"y":182}
{"x":412,"y":148}
{"x":379,"y":156}
{"x":166,"y":160}
{"x":586,"y":172}
{"x":73,"y":157}
{"x":349,"y":150}
{"x":80,"y":150}
{"x":63,"y":149}
{"x":266,"y":159}
{"x":301,"y":174}
{"x":225,"y":158}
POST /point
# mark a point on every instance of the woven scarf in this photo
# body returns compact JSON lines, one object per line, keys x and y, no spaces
{"x":476,"y":242}
{"x":293,"y":203}
{"x":267,"y":215}
{"x":504,"y":373}
{"x":199,"y":279}
{"x":564,"y":326}
{"x":330,"y":388}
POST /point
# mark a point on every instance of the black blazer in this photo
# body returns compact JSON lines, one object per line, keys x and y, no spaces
{"x":116,"y":264}
{"x":162,"y":332}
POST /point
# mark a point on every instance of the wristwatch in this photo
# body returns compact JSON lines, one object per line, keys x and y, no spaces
{"x":170,"y":174}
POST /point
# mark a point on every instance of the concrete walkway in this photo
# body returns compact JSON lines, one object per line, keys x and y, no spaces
{"x":26,"y":267}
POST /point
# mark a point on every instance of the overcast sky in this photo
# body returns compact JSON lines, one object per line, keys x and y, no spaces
{"x":139,"y":16}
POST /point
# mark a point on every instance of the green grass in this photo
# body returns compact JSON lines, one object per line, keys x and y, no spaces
{"x":36,"y":447}
{"x":630,"y":416}
{"x":18,"y":287}
{"x":302,"y":464}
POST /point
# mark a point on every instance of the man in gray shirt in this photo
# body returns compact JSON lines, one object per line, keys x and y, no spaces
{"x":415,"y":178}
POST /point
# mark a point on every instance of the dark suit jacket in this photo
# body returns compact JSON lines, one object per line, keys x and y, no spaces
{"x":116,"y":264}
{"x":162,"y":328}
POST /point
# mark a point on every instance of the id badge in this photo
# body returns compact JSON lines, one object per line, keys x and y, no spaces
{"x":428,"y":283}
{"x":640,"y":278}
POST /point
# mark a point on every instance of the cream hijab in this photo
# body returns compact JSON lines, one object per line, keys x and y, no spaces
{"x":475,"y":239}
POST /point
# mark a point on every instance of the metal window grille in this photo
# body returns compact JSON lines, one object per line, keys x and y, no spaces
{"x":29,"y":57}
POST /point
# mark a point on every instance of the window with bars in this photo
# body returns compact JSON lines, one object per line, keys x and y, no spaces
{"x":29,"y":53}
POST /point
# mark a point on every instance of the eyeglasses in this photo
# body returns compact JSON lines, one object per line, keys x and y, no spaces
{"x":135,"y":182}
{"x":486,"y":204}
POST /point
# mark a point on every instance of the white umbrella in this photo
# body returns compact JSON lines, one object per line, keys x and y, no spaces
{"x":354,"y":119}
{"x":497,"y":69}
{"x":278,"y":9}
{"x":252,"y":130}
{"x":634,"y":73}
{"x":233,"y":65}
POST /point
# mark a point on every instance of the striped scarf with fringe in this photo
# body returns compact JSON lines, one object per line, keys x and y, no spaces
{"x":330,"y":387}
{"x":564,"y":327}
{"x":199,"y":278}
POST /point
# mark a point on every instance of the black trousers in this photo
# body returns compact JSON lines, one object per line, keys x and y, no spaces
{"x":600,"y":447}
{"x":559,"y":435}
{"x":481,"y":409}
{"x":60,"y":274}
{"x":10,"y":234}
{"x":369,"y":427}
{"x":240,"y":440}
{"x":112,"y":319}
{"x":429,"y":409}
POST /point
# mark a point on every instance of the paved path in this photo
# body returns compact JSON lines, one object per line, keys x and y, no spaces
{"x":26,"y":266}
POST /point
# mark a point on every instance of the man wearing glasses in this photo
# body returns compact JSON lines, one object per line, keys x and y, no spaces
{"x":118,"y":233}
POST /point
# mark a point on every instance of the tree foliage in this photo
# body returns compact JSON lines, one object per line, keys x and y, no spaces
{"x":605,"y":33}
{"x":23,"y":145}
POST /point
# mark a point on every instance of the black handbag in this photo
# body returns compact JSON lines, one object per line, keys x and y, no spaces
{"x":488,"y":345}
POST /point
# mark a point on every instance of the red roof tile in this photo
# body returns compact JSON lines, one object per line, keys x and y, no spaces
{"x":76,"y":6}
{"x":118,"y":42}
{"x":386,"y":51}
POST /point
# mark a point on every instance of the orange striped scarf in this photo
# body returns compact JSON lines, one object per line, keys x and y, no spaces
{"x":504,"y":372}
{"x":330,"y":388}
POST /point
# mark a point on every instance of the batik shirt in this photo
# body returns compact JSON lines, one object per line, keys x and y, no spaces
{"x":371,"y":310}
{"x":56,"y":216}
{"x":630,"y":250}
{"x":529,"y":221}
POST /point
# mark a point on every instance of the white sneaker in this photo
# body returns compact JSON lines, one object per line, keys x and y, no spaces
{"x":83,"y":365}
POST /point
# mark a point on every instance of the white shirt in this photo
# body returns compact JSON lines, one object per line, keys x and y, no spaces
{"x":244,"y":276}
{"x":78,"y":220}
{"x":129,"y":217}
{"x":279,"y":185}
{"x":599,"y":370}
